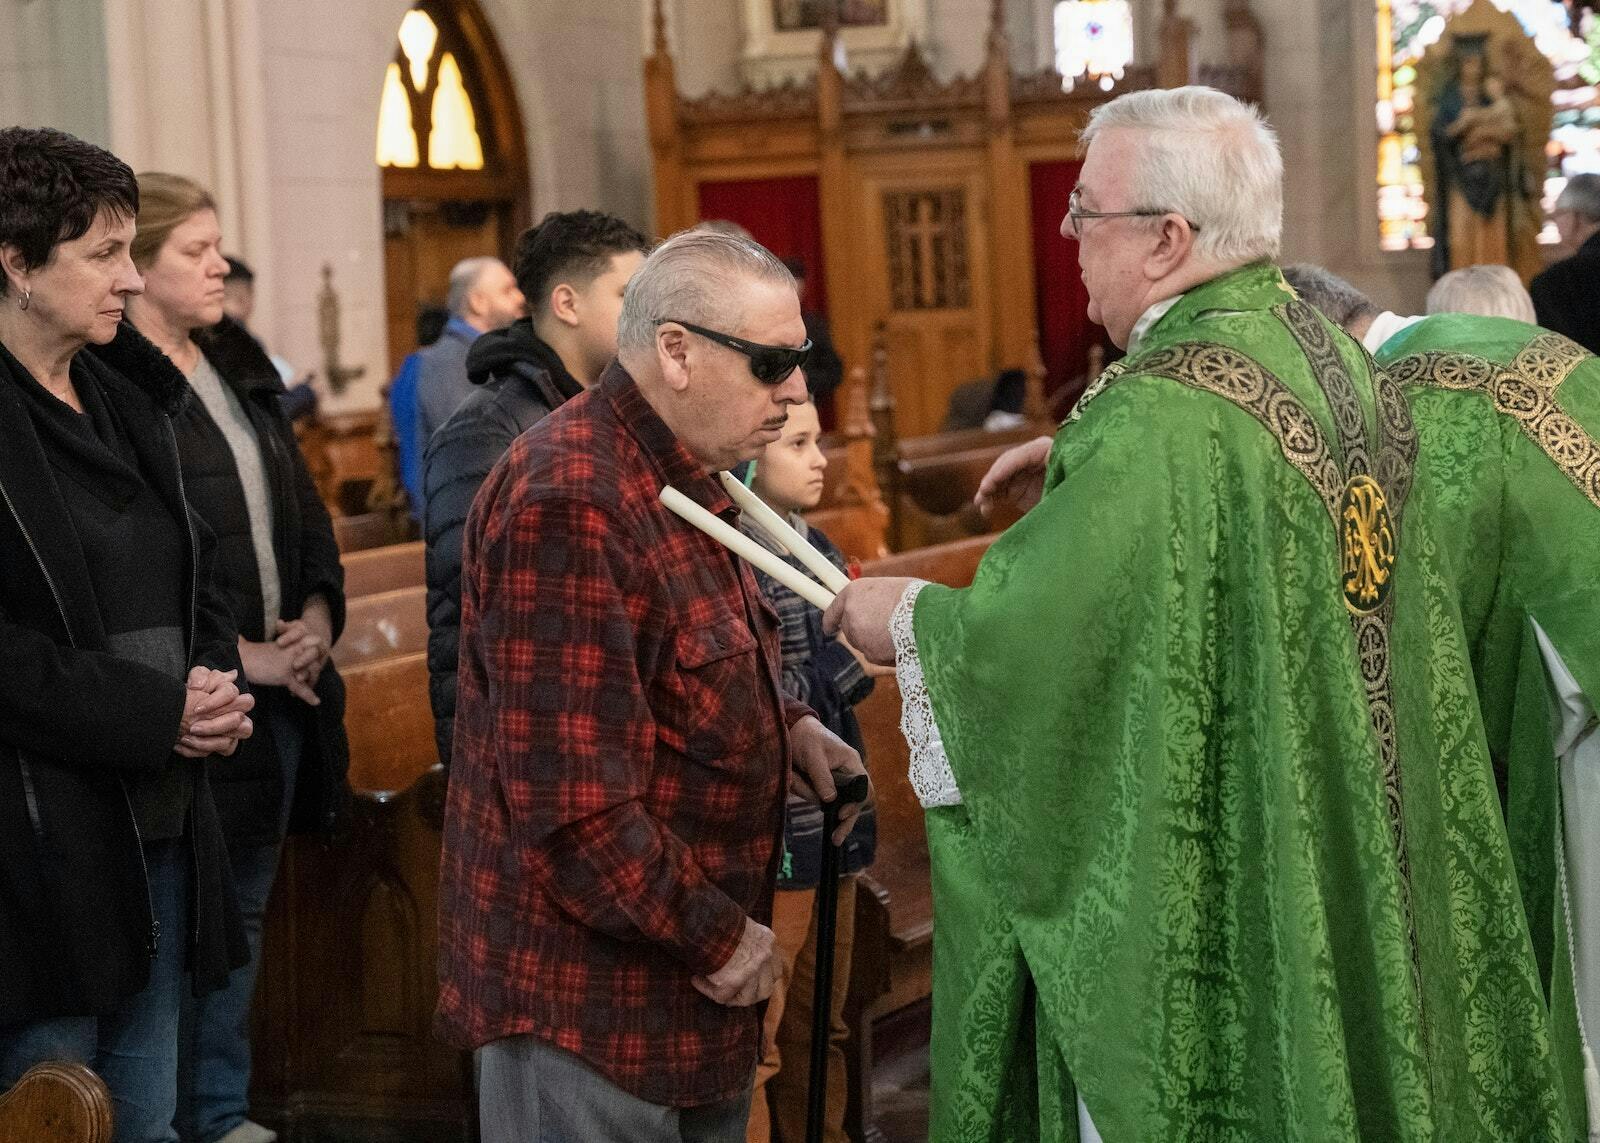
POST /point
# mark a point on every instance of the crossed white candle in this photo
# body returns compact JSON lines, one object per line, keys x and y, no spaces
{"x":753,"y":553}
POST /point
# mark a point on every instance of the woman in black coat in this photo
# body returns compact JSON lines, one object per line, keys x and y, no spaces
{"x":117,"y":664}
{"x":278,"y":567}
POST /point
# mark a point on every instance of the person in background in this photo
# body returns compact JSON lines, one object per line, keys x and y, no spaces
{"x":827,"y":675}
{"x":483,"y":296}
{"x":824,"y":369}
{"x":1566,"y":296}
{"x":1488,"y":291}
{"x":118,"y":665}
{"x":239,"y":303}
{"x":572,"y":268}
{"x":402,"y":397}
{"x":278,"y":568}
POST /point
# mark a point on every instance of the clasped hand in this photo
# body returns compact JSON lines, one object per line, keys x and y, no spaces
{"x":214,"y":714}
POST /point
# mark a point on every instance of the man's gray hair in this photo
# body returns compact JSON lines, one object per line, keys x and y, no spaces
{"x":1489,"y":291}
{"x":1339,"y":301}
{"x":1208,"y":157}
{"x":464,"y":277}
{"x":1581,"y":196}
{"x":694,"y":276}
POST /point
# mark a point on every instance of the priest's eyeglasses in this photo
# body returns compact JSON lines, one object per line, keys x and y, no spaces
{"x":771,"y":364}
{"x":1076,"y":213}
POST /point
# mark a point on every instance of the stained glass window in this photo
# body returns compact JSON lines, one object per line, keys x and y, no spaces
{"x":1094,"y":40}
{"x":425,"y":83}
{"x":1406,"y":29}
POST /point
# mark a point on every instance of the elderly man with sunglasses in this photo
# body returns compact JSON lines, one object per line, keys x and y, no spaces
{"x":1215,"y":837}
{"x":622,"y":746}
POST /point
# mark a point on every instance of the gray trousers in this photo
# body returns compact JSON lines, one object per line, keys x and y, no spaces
{"x":530,"y":1091}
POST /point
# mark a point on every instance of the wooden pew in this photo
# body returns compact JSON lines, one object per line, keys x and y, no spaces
{"x":933,"y":497}
{"x":382,"y":625}
{"x":56,"y":1102}
{"x":366,"y":531}
{"x":344,"y":1010}
{"x":891,"y":972}
{"x":384,"y":569}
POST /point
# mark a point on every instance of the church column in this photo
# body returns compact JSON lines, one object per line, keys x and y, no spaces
{"x":833,"y":200}
{"x":673,"y":208}
{"x":1010,"y":236}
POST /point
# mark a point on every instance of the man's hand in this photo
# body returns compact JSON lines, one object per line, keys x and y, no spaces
{"x":213,"y":720}
{"x":1018,"y":477}
{"x":750,"y":973}
{"x":861,"y":613}
{"x":274,"y":665}
{"x":870,"y":669}
{"x":819,"y":755}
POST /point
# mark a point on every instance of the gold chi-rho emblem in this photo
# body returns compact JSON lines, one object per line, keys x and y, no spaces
{"x":1366,"y":545}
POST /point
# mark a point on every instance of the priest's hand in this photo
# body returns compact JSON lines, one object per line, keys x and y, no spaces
{"x":861,"y":611}
{"x":1017,"y":477}
{"x":750,"y":973}
{"x":821,"y":758}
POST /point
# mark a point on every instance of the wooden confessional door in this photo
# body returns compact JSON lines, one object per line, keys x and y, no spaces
{"x":920,"y":223}
{"x":422,"y":241}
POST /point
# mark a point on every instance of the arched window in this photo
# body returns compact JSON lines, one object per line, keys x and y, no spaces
{"x":1406,"y":28}
{"x":452,"y":154}
{"x":428,"y":112}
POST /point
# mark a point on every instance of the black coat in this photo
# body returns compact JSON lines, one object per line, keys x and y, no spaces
{"x":249,"y":790}
{"x":79,"y":725}
{"x":1567,"y":296}
{"x":520,"y":381}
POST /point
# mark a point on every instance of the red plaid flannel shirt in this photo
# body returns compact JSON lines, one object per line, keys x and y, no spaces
{"x":621,"y":754}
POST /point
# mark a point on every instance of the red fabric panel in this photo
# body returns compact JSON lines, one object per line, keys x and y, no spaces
{"x":1065,"y":331}
{"x":785,"y":216}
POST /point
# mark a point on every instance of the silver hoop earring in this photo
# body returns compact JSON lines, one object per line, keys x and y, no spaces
{"x":25,"y":301}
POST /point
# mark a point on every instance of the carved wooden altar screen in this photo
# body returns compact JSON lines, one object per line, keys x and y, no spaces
{"x":923,"y":195}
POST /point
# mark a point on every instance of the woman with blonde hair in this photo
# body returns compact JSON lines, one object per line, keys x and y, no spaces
{"x":278,"y":567}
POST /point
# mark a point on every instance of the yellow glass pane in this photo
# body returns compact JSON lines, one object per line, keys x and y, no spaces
{"x":397,"y":141}
{"x":453,"y":139}
{"x":418,"y":37}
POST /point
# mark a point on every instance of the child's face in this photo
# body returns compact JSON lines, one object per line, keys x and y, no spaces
{"x":789,"y":471}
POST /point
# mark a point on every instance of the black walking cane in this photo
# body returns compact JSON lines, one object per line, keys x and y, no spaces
{"x":855,"y":790}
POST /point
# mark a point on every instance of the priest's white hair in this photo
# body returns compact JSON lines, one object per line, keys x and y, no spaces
{"x":1489,"y":291}
{"x":1208,"y":157}
{"x":694,"y":276}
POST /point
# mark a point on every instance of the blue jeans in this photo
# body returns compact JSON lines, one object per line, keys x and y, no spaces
{"x":135,"y":1048}
{"x":214,"y":1085}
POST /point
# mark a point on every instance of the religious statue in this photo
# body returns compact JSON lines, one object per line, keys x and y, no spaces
{"x":1483,"y":119}
{"x":328,"y":333}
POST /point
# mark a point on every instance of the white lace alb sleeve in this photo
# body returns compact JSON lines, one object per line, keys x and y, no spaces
{"x":931,"y":776}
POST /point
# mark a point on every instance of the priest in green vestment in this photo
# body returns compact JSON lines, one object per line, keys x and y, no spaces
{"x":1507,"y":415}
{"x":1216,"y":845}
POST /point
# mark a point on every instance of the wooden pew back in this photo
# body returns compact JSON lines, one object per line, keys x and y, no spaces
{"x":383,"y":624}
{"x":56,"y":1102}
{"x":384,"y":569}
{"x":390,"y":723}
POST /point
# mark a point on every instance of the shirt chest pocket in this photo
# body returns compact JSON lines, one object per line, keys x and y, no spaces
{"x":716,"y":708}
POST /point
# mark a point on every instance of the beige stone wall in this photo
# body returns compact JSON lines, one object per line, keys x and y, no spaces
{"x":274,"y":104}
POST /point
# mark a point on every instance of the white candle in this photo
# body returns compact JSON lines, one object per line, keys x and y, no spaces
{"x":786,"y":536}
{"x":746,"y":548}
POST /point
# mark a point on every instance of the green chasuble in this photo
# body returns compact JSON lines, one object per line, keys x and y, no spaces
{"x":1211,"y":716}
{"x":1506,"y":414}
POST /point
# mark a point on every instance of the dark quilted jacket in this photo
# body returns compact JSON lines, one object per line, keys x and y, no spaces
{"x":520,"y":380}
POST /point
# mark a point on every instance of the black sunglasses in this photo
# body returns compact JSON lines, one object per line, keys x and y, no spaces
{"x":770,"y":364}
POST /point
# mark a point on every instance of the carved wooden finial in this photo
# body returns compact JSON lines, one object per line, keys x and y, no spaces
{"x":659,"y":17}
{"x":1034,"y":404}
{"x":855,"y":423}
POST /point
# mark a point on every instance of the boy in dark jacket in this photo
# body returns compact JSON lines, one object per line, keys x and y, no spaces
{"x":825,"y":673}
{"x":572,"y":268}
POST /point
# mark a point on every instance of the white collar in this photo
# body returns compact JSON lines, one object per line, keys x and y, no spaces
{"x":1148,"y":320}
{"x":1385,"y":326}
